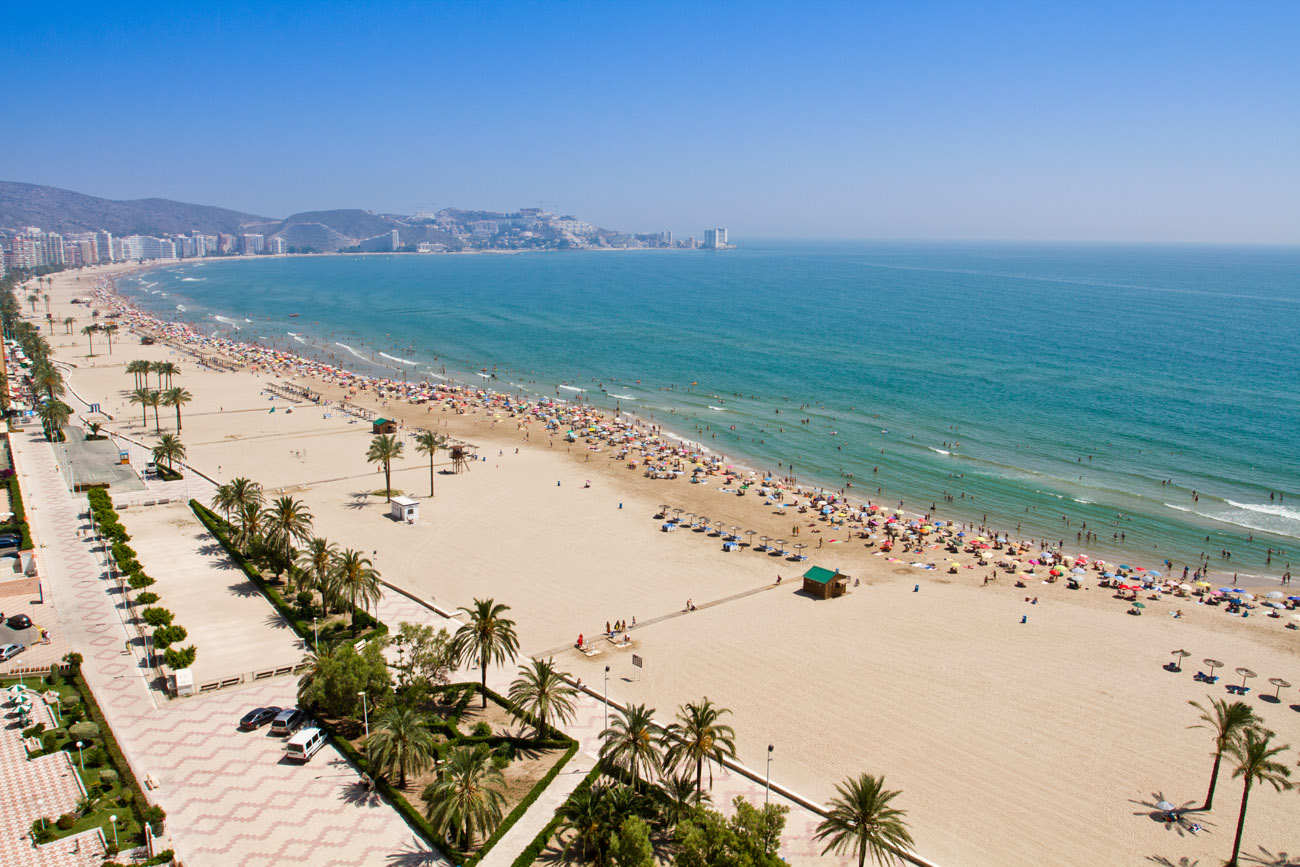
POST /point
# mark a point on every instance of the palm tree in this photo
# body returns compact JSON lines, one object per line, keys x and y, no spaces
{"x":1227,"y":721}
{"x":318,"y":662}
{"x":47,"y":377}
{"x":487,"y":638}
{"x":177,"y":397}
{"x":141,"y":396}
{"x":67,"y":324}
{"x":1254,"y":755}
{"x":169,"y":450}
{"x":287,"y":521}
{"x":427,"y":443}
{"x":155,"y":400}
{"x":137,"y":368}
{"x":167,"y":369}
{"x":583,"y":822}
{"x":109,"y":330}
{"x":356,"y":580}
{"x":680,"y":793}
{"x":235,"y":494}
{"x":248,"y":526}
{"x":542,"y":691}
{"x":317,"y":560}
{"x":630,"y":742}
{"x":402,"y":741}
{"x":47,"y":301}
{"x":383,"y":449}
{"x":467,"y":798}
{"x":89,"y":331}
{"x":696,"y":737}
{"x":54,"y":414}
{"x":33,"y":298}
{"x":860,"y":820}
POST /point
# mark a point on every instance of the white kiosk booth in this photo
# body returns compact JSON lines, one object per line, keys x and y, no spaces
{"x":405,"y":509}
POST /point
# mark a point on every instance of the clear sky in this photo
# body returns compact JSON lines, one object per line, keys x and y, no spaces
{"x":1038,"y":120}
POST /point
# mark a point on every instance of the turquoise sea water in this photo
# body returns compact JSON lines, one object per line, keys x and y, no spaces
{"x":1075,"y":379}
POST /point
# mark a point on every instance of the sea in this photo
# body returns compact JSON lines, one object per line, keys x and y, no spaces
{"x":1146,"y":394}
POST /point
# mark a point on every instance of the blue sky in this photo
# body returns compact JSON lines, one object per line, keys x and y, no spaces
{"x":1087,"y":121}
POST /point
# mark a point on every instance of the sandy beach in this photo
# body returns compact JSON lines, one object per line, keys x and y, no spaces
{"x":1047,"y":741}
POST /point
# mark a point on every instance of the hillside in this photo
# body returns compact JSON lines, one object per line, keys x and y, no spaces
{"x":64,"y":211}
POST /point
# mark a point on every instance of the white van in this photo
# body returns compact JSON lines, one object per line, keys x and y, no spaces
{"x":304,"y":744}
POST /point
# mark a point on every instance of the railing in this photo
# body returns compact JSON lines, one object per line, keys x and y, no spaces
{"x":215,"y":684}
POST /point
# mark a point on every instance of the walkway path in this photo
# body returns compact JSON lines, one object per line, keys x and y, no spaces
{"x":233,"y":800}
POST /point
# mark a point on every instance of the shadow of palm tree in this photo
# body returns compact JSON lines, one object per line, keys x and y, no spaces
{"x":243,"y":589}
{"x":1156,"y":814}
{"x":1270,"y":859}
{"x":360,"y":499}
{"x":276,"y":621}
{"x":1164,"y":861}
{"x":418,"y":855}
{"x":212,"y":549}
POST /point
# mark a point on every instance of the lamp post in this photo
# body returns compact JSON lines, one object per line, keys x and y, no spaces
{"x":81,"y":761}
{"x":767,"y":784}
{"x":365,"y":710}
{"x":607,"y":696}
{"x":113,"y":819}
{"x":40,"y":803}
{"x":316,"y":632}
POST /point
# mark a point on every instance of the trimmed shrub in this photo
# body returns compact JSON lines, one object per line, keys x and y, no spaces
{"x":179,"y":659}
{"x":156,"y":616}
{"x":66,"y":821}
{"x":93,"y":757}
{"x":139,"y":581}
{"x":83,"y":731}
{"x":165,"y":636}
{"x":146,"y":598}
{"x":481,"y":730}
{"x":33,"y":731}
{"x":108,"y":776}
{"x":48,"y":741}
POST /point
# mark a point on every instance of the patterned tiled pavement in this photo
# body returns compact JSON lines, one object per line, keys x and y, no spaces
{"x":29,"y":788}
{"x":231,"y":799}
{"x":44,"y":616}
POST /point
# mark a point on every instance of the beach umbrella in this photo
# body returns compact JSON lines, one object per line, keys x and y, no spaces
{"x":751,"y":534}
{"x":764,"y":540}
{"x":1204,"y":584}
{"x":1274,"y":594}
{"x":1245,"y":673}
{"x":1124,"y":567}
{"x":1138,"y":605}
{"x":734,"y":528}
{"x":1280,"y":684}
{"x":1164,"y":806}
{"x":1180,"y":655}
{"x":1077,"y":571}
{"x":780,"y":546}
{"x":1153,"y":572}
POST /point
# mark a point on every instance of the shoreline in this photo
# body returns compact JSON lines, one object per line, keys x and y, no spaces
{"x":925,"y":675}
{"x":1116,"y":552}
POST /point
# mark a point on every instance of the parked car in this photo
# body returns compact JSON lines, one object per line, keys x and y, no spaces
{"x":19,"y":621}
{"x":9,"y":651}
{"x":258,"y":717}
{"x":302,"y":746}
{"x":288,"y":721}
{"x":10,"y":542}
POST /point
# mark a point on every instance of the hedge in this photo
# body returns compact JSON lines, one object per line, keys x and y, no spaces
{"x":534,"y":850}
{"x":217,"y":526}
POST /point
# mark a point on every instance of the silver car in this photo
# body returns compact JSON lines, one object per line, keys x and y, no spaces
{"x":9,"y":651}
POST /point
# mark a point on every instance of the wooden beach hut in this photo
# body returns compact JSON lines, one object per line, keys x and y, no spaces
{"x":383,"y":426}
{"x":825,"y":584}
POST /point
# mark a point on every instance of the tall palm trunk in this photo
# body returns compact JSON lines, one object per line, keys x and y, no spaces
{"x":1214,"y":779}
{"x":388,"y":492}
{"x":1241,"y":825}
{"x":699,"y":780}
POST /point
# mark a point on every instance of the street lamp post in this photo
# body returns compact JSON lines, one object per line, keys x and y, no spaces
{"x":316,"y":631}
{"x":365,"y":710}
{"x":40,"y":803}
{"x":767,"y":784}
{"x":607,"y":696}
{"x":81,"y":761}
{"x":113,"y":819}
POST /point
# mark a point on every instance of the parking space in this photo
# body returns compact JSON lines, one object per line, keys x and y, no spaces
{"x":244,"y":803}
{"x":44,"y":618}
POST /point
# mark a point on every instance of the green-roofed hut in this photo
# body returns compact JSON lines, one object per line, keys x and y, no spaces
{"x":383,"y":426}
{"x":825,"y":584}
